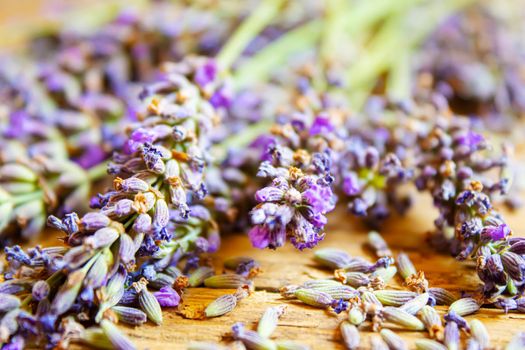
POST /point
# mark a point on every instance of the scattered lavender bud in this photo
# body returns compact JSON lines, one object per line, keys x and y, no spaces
{"x":8,"y":302}
{"x":243,"y":266}
{"x":338,"y":291}
{"x":333,"y":258}
{"x":96,"y":337}
{"x":393,"y":340}
{"x":268,"y":322}
{"x":321,"y":283}
{"x":472,"y":344}
{"x":415,"y":305}
{"x":479,"y":333}
{"x":464,"y":306}
{"x":377,"y":343}
{"x":350,"y":335}
{"x":167,"y":297}
{"x":451,"y":336}
{"x":313,"y":297}
{"x":252,"y":340}
{"x":432,"y":322}
{"x":378,"y":244}
{"x":371,"y":298}
{"x":517,"y":342}
{"x":221,"y":306}
{"x":198,"y":276}
{"x":402,"y":318}
{"x":442,"y":296}
{"x":356,"y":316}
{"x":394,"y":297}
{"x":129,"y":315}
{"x":226,"y":281}
{"x":161,"y":280}
{"x":405,"y":266}
{"x":354,"y":279}
{"x":429,"y":344}
{"x":117,"y":339}
{"x":385,"y":274}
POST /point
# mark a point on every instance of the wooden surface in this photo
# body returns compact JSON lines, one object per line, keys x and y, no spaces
{"x":315,"y":327}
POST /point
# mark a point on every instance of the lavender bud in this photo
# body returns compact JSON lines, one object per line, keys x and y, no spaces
{"x":40,"y":290}
{"x":67,"y":293}
{"x":167,"y":297}
{"x":142,"y":223}
{"x":402,"y":318}
{"x":385,"y":274}
{"x":514,"y":265}
{"x":369,"y":297}
{"x":517,"y":342}
{"x":393,"y":340}
{"x":131,"y":184}
{"x":356,"y":316}
{"x":162,"y":280}
{"x":130,"y":315}
{"x":451,"y":338}
{"x":442,"y":296}
{"x":378,"y":244}
{"x":354,"y":279}
{"x":333,"y":258}
{"x":480,"y":334}
{"x":314,"y":298}
{"x":394,"y":297}
{"x":432,"y":322}
{"x":221,"y":306}
{"x":162,"y":215}
{"x":339,"y":292}
{"x":126,"y":249}
{"x":321,"y":283}
{"x":252,"y":340}
{"x":95,"y":337}
{"x":464,"y":306}
{"x":8,"y":302}
{"x":148,"y":303}
{"x":94,"y":221}
{"x":405,"y":266}
{"x":117,"y":339}
{"x":173,"y":271}
{"x":413,"y":306}
{"x":226,"y":281}
{"x":18,"y":172}
{"x":199,"y":275}
{"x":350,"y":335}
{"x":429,"y":344}
{"x":268,"y":322}
{"x":102,"y":238}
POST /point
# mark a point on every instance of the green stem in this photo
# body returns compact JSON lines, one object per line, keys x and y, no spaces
{"x":399,"y":84}
{"x":241,"y":139}
{"x":260,"y":17}
{"x":97,"y":172}
{"x":24,"y":198}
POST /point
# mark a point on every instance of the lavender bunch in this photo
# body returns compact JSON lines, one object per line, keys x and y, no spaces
{"x":143,"y":226}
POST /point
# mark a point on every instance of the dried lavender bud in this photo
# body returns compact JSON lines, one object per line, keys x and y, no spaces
{"x":333,"y":258}
{"x":480,"y":334}
{"x":117,"y":339}
{"x":199,"y":345}
{"x":378,"y":244}
{"x":472,"y":344}
{"x":451,"y":337}
{"x":321,"y":283}
{"x":377,"y":343}
{"x":173,"y":271}
{"x":226,"y":281}
{"x":371,"y":298}
{"x":429,"y":344}
{"x":385,"y":274}
{"x":148,"y":303}
{"x":442,"y":296}
{"x":517,"y":342}
{"x":167,"y":297}
{"x":394,"y":297}
{"x":356,"y":316}
{"x":464,"y":306}
{"x":413,"y":306}
{"x":338,"y":291}
{"x":350,"y":335}
{"x":129,"y":315}
{"x":432,"y":322}
{"x":290,"y":345}
{"x":251,"y":339}
{"x":405,"y":266}
{"x":268,"y":322}
{"x":95,"y":337}
{"x":402,"y":318}
{"x":288,"y":291}
{"x":313,"y":297}
{"x":198,"y":276}
{"x":354,"y":279}
{"x":243,"y":266}
{"x":161,"y":280}
{"x":393,"y":340}
{"x":8,"y":302}
{"x":514,"y":265}
{"x":221,"y":306}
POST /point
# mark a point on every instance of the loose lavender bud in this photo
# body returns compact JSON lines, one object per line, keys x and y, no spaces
{"x":314,"y":298}
{"x":321,"y":283}
{"x":517,"y":342}
{"x":338,"y":291}
{"x":333,"y":258}
{"x":199,"y":275}
{"x":429,"y":344}
{"x":405,"y":266}
{"x":479,"y":333}
{"x":148,"y":303}
{"x":268,"y":322}
{"x":117,"y":339}
{"x":378,"y":244}
{"x":129,"y":315}
{"x":451,"y":337}
{"x":226,"y":281}
{"x":393,"y":340}
{"x":394,"y":297}
{"x":432,"y":322}
{"x":464,"y":307}
{"x":402,"y":318}
{"x":244,"y":266}
{"x":350,"y":335}
{"x":252,"y":340}
{"x":221,"y":306}
{"x":385,"y":274}
{"x":413,"y":306}
{"x":354,"y":279}
{"x":356,"y":316}
{"x":167,"y":297}
{"x":442,"y":296}
{"x":377,"y":343}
